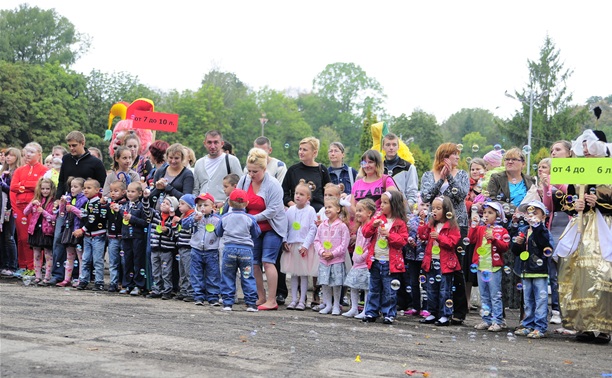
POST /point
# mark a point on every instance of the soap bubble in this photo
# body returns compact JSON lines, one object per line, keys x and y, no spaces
{"x":475,"y":148}
{"x":455,"y":190}
{"x":466,"y":241}
{"x":519,"y":286}
{"x":246,"y":272}
{"x":547,"y":252}
{"x":460,"y":147}
{"x":507,"y":269}
{"x":395,"y":285}
{"x":526,"y":149}
{"x":449,"y":215}
{"x":506,"y":238}
{"x":409,"y":289}
{"x":539,"y":262}
{"x":287,"y":145}
{"x":468,"y":160}
{"x":422,"y":279}
{"x":431,"y":280}
{"x":534,"y":167}
{"x":438,"y":278}
{"x":474,"y":268}
{"x":559,"y":194}
{"x":449,"y":303}
{"x":486,"y":275}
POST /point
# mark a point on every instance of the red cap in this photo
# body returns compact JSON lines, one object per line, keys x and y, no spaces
{"x":206,"y":196}
{"x":238,"y":195}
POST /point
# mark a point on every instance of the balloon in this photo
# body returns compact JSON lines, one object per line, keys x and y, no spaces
{"x":125,"y":111}
{"x":379,"y":130}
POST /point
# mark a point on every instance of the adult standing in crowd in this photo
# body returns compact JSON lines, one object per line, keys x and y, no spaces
{"x":265,"y":203}
{"x":157,"y":157}
{"x":510,"y":186}
{"x":141,"y":164}
{"x":210,"y":170}
{"x":404,"y":174}
{"x":339,"y":172}
{"x":445,"y":179}
{"x":308,"y":170}
{"x":23,"y":184}
{"x":275,"y":167}
{"x":8,"y":248}
{"x":372,"y":182}
{"x":173,"y":179}
{"x":77,"y":163}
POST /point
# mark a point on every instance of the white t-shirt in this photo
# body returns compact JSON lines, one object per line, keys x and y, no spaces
{"x":211,"y":165}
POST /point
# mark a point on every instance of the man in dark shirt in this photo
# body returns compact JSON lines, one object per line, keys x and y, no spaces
{"x":78,"y":163}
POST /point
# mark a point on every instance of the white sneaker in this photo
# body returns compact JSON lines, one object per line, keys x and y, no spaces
{"x":227,"y":308}
{"x":351,"y":313}
{"x":482,"y":326}
{"x":494,"y":328}
{"x":556,"y":317}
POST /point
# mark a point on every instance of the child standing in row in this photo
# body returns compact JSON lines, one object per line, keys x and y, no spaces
{"x":114,"y":225}
{"x":93,"y":232}
{"x":70,"y":207}
{"x":299,"y":258}
{"x":187,"y":208}
{"x":358,"y":277}
{"x":229,"y":184}
{"x":490,"y":243}
{"x":40,"y":228}
{"x":238,"y":230}
{"x":133,"y":240}
{"x":414,"y":252}
{"x":440,"y":261}
{"x":533,"y":250}
{"x":385,"y":258}
{"x":204,"y":270}
{"x":164,"y":228}
{"x":331,"y":244}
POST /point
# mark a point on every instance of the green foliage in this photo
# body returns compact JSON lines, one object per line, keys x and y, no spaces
{"x":474,"y":145}
{"x":40,"y":103}
{"x":37,"y":36}
{"x":366,"y":142}
{"x":422,"y":161}
{"x":326,"y":135}
{"x":467,"y":121}
{"x":420,"y":126}
{"x":543,"y":153}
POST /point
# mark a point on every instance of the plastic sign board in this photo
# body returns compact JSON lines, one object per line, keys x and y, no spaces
{"x":581,"y":171}
{"x":155,"y":121}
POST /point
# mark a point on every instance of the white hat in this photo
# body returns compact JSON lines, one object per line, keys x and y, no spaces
{"x":497,"y":207}
{"x":523,"y":207}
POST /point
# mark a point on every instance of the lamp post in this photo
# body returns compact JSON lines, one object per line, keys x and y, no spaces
{"x":263,"y":120}
{"x":532,"y":98}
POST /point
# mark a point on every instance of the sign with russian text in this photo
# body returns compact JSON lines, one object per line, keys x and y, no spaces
{"x":581,"y":171}
{"x":155,"y":121}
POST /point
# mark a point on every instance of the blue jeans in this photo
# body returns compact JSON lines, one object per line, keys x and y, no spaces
{"x":205,"y":275}
{"x":8,"y":247}
{"x":237,"y":258}
{"x":439,"y":291}
{"x":491,"y":298}
{"x":93,"y":253}
{"x":381,"y":297}
{"x":114,"y":260}
{"x":266,"y":247}
{"x":414,"y":271}
{"x":554,"y":285}
{"x":535,"y":294}
{"x":59,"y":251}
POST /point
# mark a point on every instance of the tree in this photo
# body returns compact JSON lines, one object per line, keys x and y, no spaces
{"x":420,"y":126}
{"x":352,"y":93}
{"x":466,"y":121}
{"x":37,"y":36}
{"x":40,"y":103}
{"x":231,"y":87}
{"x":366,"y":142}
{"x":475,"y":145}
{"x":553,"y":117}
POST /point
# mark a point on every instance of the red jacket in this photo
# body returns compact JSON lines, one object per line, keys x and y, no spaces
{"x":447,"y":240}
{"x":24,"y":182}
{"x":397,"y":239}
{"x":476,"y":234}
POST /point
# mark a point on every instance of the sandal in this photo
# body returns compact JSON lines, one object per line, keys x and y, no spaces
{"x":37,"y":281}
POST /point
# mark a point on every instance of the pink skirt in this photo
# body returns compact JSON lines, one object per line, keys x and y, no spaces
{"x":297,"y":265}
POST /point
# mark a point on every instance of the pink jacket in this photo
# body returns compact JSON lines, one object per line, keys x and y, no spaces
{"x":361,"y":250}
{"x":338,"y":235}
{"x":48,"y":218}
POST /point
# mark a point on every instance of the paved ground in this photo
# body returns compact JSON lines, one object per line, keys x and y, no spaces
{"x":63,"y":332}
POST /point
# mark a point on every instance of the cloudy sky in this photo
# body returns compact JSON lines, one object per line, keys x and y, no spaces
{"x":438,"y":56}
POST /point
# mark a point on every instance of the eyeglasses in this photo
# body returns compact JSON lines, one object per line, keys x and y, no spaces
{"x":512,"y":160}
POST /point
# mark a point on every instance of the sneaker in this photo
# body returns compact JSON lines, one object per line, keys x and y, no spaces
{"x":388,"y":320}
{"x":424,"y":313}
{"x":124,"y":291}
{"x":98,"y":287}
{"x":166,"y":296}
{"x":482,"y":326}
{"x":522,"y":331}
{"x":6,"y":273}
{"x":135,"y":291}
{"x":82,"y":286}
{"x":535,"y":334}
{"x":351,"y":313}
{"x":252,"y":308}
{"x":317,"y":308}
{"x":494,"y":328}
{"x":291,"y":306}
{"x":411,"y":312}
{"x":300,"y":306}
{"x":18,"y":273}
{"x":556,"y":317}
{"x":280,"y":299}
{"x":153,"y":295}
{"x":215,"y":303}
{"x":53,"y":281}
{"x":112,"y":288}
{"x":368,"y":319}
{"x":29,"y":272}
{"x":361,"y":315}
{"x":179,"y":297}
{"x":199,"y":303}
{"x":227,"y":308}
{"x":188,"y":299}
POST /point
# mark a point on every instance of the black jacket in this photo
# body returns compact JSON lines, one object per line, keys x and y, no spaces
{"x":536,"y":262}
{"x":85,"y":166}
{"x":93,"y":219}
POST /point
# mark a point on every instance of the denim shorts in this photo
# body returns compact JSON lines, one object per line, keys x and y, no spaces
{"x":266,"y":247}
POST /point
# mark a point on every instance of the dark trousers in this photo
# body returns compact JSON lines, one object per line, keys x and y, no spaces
{"x":134,"y":263}
{"x":281,"y":289}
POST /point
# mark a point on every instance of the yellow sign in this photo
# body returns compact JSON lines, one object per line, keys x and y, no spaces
{"x":581,"y":171}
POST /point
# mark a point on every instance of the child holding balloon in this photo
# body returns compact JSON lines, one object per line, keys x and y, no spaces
{"x":490,"y":242}
{"x":442,"y":235}
{"x":385,"y":258}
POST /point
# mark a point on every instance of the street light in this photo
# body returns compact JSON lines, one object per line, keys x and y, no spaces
{"x":532,"y":98}
{"x":263,"y":121}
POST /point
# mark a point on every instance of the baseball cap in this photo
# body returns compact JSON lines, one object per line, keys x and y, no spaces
{"x":238,"y":195}
{"x":523,"y":208}
{"x":206,"y":196}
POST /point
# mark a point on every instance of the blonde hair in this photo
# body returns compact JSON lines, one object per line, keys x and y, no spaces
{"x":313,"y":142}
{"x":310,"y":186}
{"x":332,"y":186}
{"x":258,"y":157}
{"x":344,"y":215}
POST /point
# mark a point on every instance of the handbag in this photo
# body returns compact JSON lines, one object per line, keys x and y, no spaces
{"x":532,"y":195}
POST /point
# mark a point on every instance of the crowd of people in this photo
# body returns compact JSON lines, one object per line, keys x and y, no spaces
{"x":174,"y":227}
